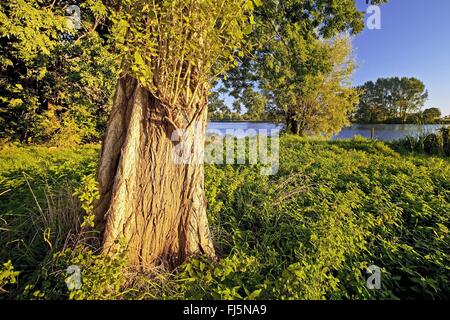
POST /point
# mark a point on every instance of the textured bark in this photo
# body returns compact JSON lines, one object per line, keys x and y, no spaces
{"x":154,"y":205}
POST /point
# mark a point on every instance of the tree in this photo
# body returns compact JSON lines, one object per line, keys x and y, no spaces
{"x":430,"y":115}
{"x":292,"y":57}
{"x":255,"y":103}
{"x":315,"y":102}
{"x":216,"y":106}
{"x":374,"y":106}
{"x":237,"y":108}
{"x":409,"y":97}
{"x":391,"y":98}
{"x":151,"y":170}
{"x":56,"y":81}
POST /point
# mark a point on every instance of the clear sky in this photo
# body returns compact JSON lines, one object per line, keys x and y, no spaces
{"x":414,"y":41}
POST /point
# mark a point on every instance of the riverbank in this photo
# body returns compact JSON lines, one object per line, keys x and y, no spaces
{"x":310,"y":232}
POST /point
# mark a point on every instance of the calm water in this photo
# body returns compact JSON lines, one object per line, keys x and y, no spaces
{"x":385,"y":132}
{"x":243,"y":129}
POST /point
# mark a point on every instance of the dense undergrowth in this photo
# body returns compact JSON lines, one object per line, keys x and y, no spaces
{"x":310,"y":232}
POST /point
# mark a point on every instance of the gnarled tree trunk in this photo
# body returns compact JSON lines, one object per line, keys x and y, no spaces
{"x":149,"y":201}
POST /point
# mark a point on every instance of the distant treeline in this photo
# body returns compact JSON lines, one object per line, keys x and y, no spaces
{"x":387,"y":100}
{"x":395,"y":100}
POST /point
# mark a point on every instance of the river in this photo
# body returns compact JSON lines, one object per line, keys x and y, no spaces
{"x":384,"y":132}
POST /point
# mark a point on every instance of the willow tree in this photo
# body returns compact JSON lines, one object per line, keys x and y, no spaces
{"x":170,"y":51}
{"x":316,"y":101}
{"x":298,"y":64}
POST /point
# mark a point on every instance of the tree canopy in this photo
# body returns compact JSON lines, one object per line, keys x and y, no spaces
{"x":177,"y":48}
{"x":390,"y":99}
{"x":430,"y":115}
{"x":296,"y":52}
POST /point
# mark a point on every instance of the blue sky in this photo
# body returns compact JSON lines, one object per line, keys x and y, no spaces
{"x":414,"y":41}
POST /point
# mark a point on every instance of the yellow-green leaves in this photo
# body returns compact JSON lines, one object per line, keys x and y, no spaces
{"x":7,"y":275}
{"x":248,"y":5}
{"x":257,"y":2}
{"x":175,"y":47}
{"x":99,"y":10}
{"x":138,"y":59}
{"x":35,"y":29}
{"x":87,"y":193}
{"x":248,"y":29}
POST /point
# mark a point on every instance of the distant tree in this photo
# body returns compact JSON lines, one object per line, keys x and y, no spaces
{"x":290,"y":62}
{"x":314,"y":101}
{"x":237,"y":108}
{"x":216,"y":106}
{"x":390,"y":98}
{"x":255,"y":103}
{"x":430,"y":115}
{"x":409,"y":97}
{"x":219,"y":110}
{"x":373,"y":104}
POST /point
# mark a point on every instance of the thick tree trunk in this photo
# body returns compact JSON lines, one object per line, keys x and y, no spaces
{"x":149,"y":202}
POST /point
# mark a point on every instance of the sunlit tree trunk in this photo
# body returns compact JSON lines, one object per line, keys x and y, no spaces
{"x":150,"y":203}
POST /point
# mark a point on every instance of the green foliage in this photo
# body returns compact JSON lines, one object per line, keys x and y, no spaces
{"x":227,"y":279}
{"x":101,"y":276}
{"x":56,"y":82}
{"x":310,"y":232}
{"x":174,"y":48}
{"x":7,"y":275}
{"x":302,"y":64}
{"x":218,"y":110}
{"x":334,"y":209}
{"x":32,"y":25}
{"x":431,"y":115}
{"x":254,"y":102}
{"x":390,"y":100}
{"x":38,"y":213}
{"x":88,"y":193}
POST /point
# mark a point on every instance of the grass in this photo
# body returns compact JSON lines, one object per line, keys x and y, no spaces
{"x":310,"y":232}
{"x":38,"y":213}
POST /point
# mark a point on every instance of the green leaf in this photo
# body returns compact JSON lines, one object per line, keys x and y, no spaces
{"x":138,"y":58}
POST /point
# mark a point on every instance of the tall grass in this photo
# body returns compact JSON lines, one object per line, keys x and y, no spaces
{"x":426,"y":143}
{"x":39,"y":214}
